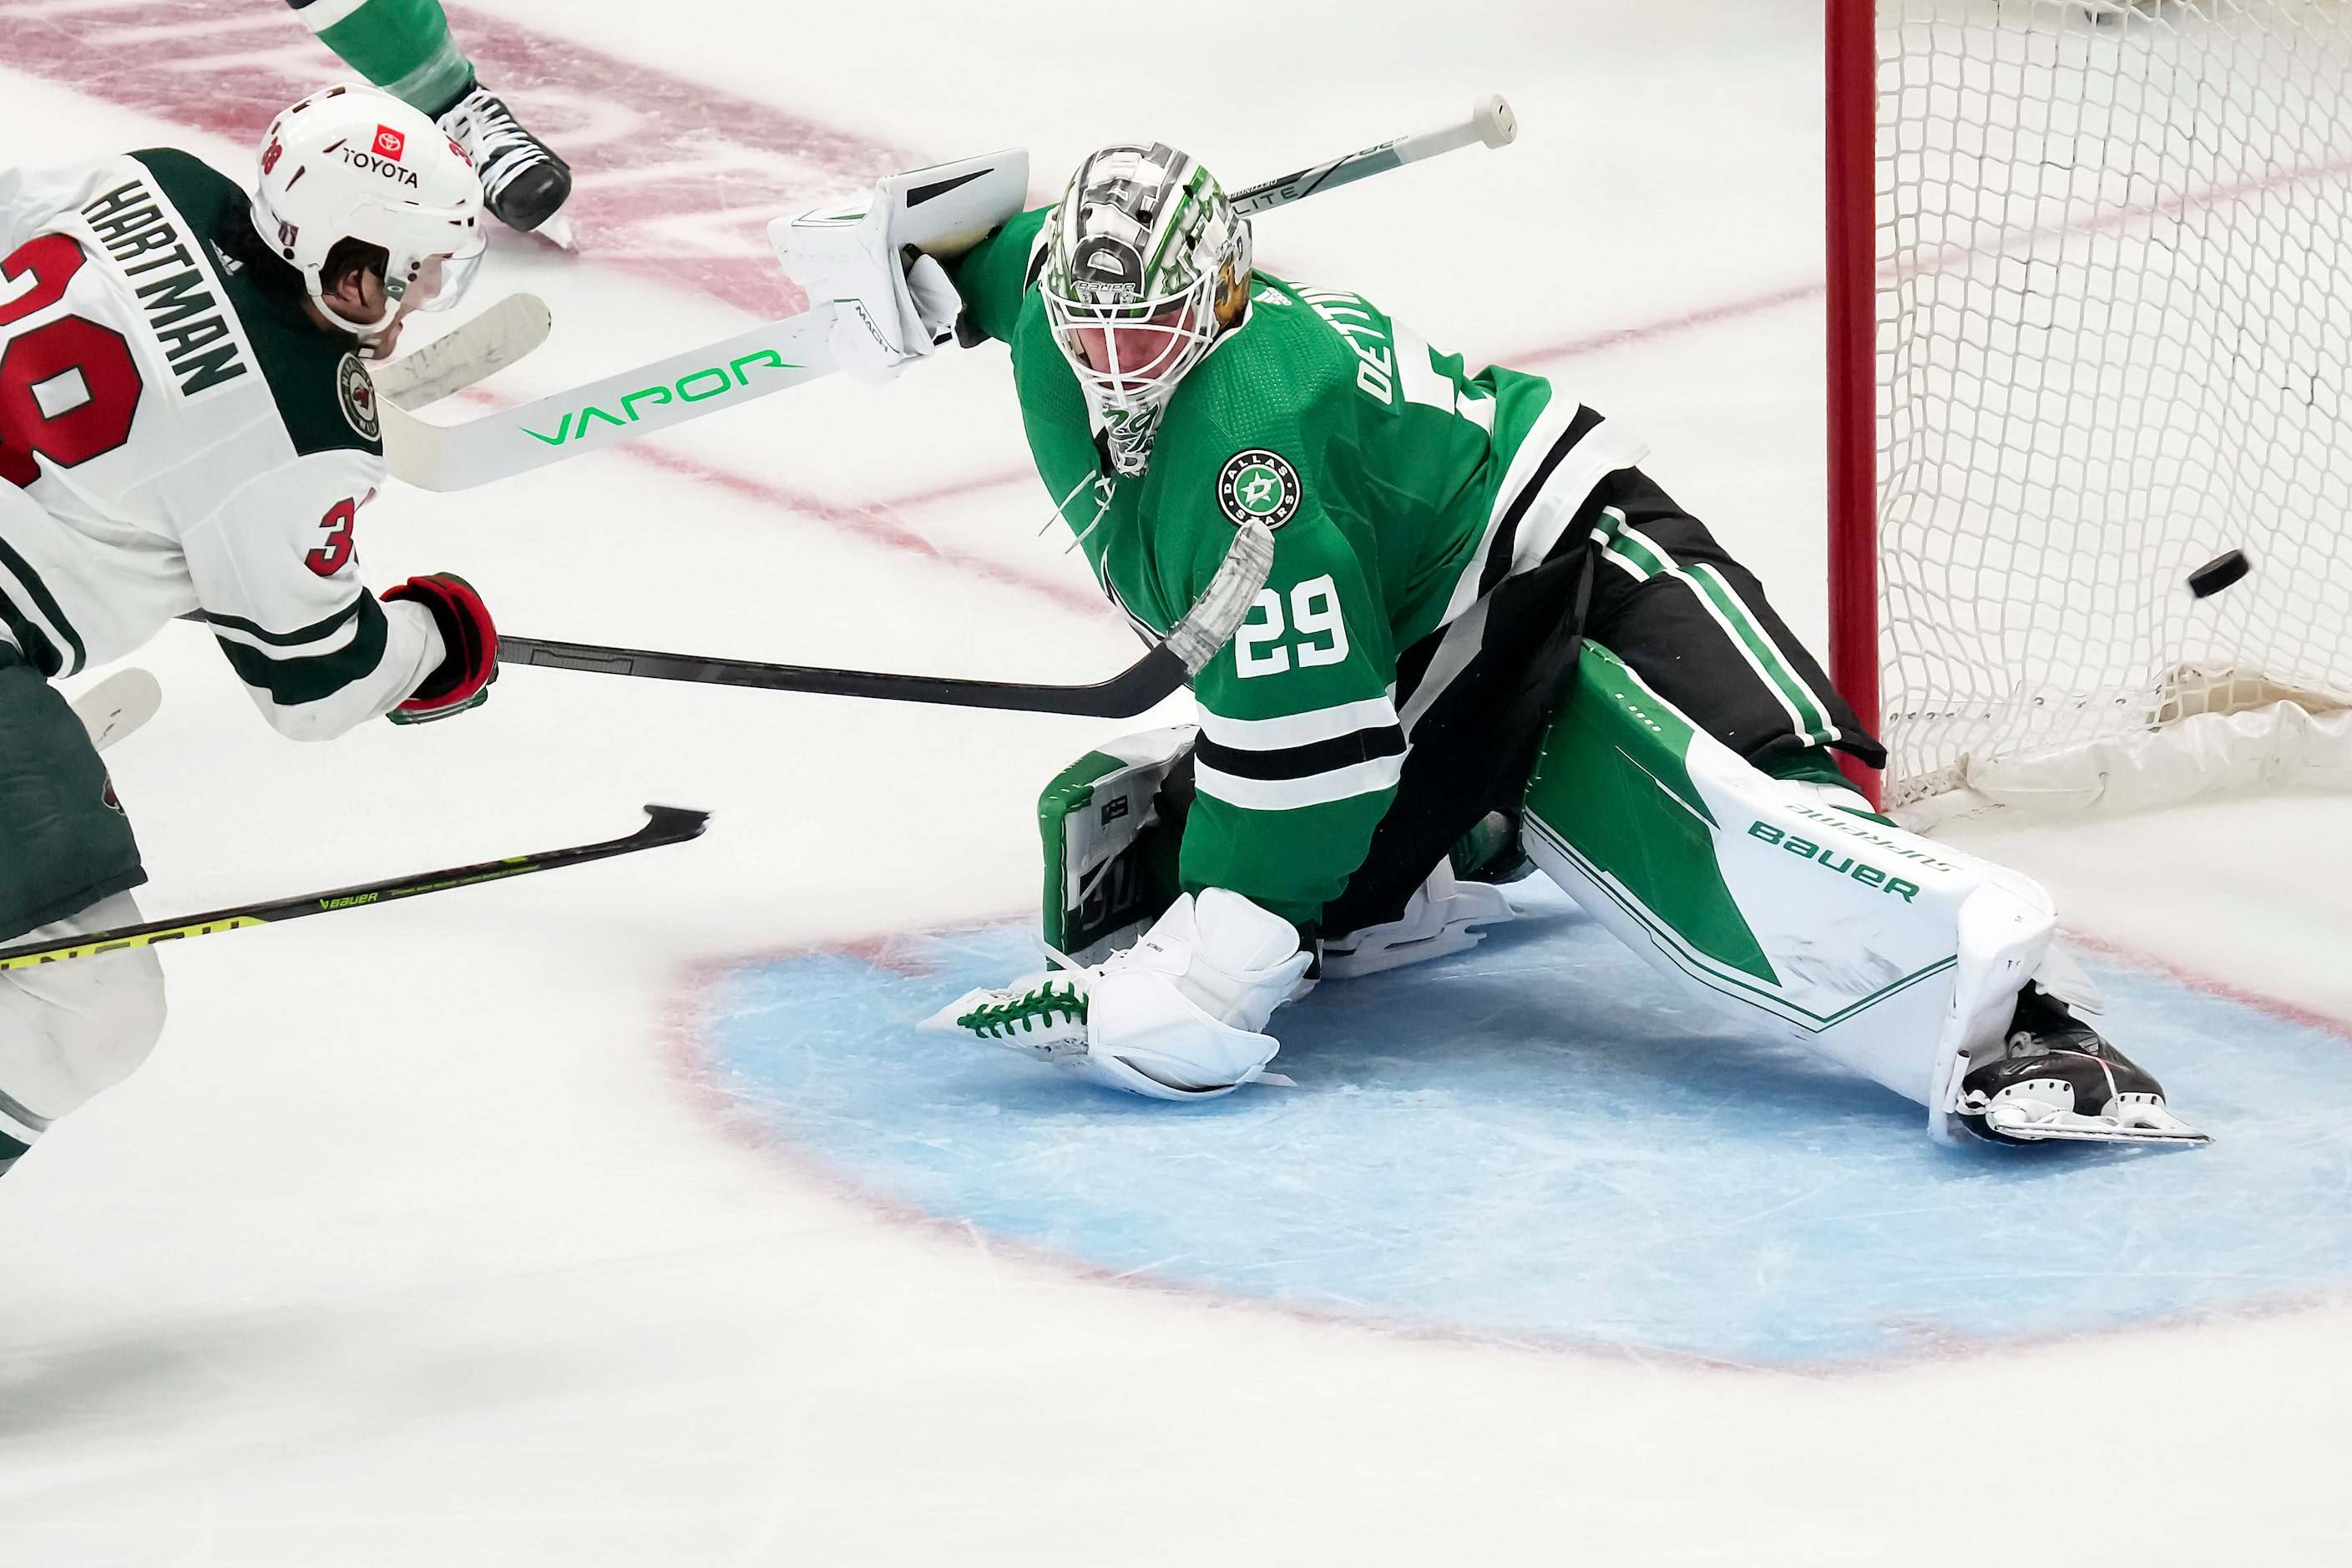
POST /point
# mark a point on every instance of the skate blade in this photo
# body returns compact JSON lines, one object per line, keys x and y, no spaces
{"x":2067,"y":1126}
{"x":557,"y":232}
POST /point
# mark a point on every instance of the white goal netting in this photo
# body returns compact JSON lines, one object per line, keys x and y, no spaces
{"x":2115,"y":339}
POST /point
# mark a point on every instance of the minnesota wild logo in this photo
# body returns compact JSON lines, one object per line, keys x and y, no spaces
{"x":357,"y":393}
{"x":1258,"y":486}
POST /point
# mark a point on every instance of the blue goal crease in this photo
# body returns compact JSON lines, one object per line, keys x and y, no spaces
{"x":1538,"y":1140}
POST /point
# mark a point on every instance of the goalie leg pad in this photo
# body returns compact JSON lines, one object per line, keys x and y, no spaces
{"x":69,"y":1030}
{"x":1109,"y":824}
{"x":1884,"y":950}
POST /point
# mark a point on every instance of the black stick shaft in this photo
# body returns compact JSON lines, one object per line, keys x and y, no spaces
{"x":664,"y":825}
{"x":1136,"y":690}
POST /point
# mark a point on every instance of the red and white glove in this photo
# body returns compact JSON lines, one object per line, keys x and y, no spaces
{"x":462,"y":679}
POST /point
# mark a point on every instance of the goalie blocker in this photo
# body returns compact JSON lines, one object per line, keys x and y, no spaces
{"x":1723,"y":877}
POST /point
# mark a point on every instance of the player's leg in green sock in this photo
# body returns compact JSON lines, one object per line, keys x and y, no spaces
{"x":404,"y":48}
{"x":402,"y":45}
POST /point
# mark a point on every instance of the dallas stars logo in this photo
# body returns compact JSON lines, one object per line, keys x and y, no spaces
{"x":1258,"y":486}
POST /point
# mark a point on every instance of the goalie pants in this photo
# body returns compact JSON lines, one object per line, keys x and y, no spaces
{"x":1636,"y":573}
{"x":68,"y":860}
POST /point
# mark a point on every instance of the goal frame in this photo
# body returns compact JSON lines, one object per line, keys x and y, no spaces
{"x":1850,"y":124}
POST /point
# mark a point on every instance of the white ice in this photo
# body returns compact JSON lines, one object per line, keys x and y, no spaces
{"x":410,"y":1246}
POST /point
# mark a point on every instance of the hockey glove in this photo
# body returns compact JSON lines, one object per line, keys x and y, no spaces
{"x":462,"y":679}
{"x":891,"y":303}
{"x":1176,"y":1016}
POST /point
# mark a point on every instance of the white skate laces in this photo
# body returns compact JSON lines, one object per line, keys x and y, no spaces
{"x":523,"y":182}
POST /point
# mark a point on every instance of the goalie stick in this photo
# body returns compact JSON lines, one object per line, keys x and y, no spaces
{"x":1205,"y":629}
{"x":664,"y":825}
{"x":779,"y":354}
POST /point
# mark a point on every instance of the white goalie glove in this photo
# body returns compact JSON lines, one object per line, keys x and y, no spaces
{"x":891,"y":303}
{"x":1178,"y":1015}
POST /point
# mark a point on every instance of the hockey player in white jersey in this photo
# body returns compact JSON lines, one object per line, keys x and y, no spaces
{"x":187,"y":427}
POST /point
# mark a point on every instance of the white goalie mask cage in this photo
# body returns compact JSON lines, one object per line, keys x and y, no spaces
{"x":353,"y":162}
{"x":1146,"y":264}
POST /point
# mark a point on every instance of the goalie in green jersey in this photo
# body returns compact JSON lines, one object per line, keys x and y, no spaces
{"x":1488,"y":643}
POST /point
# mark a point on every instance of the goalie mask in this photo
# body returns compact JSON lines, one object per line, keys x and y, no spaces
{"x":1146,"y":264}
{"x":353,"y":162}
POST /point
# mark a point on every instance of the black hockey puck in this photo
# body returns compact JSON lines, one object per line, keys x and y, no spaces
{"x":2218,"y":574}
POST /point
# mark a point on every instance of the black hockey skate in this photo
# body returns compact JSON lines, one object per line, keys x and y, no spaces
{"x":2054,"y":1077}
{"x":523,"y":182}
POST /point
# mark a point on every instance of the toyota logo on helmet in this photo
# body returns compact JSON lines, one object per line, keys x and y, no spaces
{"x":336,"y":167}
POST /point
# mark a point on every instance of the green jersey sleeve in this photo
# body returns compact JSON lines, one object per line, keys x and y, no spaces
{"x":993,"y":275}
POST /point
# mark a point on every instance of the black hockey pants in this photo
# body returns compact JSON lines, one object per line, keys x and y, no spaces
{"x":65,"y":843}
{"x":1642,"y":577}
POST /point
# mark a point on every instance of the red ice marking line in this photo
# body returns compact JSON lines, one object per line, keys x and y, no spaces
{"x":875,"y":524}
{"x":2277,"y":1007}
{"x":1619,"y":337}
{"x":672,"y":179}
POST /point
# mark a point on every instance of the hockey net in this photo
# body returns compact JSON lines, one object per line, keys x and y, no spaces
{"x":2110,"y":338}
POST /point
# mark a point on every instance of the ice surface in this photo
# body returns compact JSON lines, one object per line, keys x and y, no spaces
{"x":411,"y":1245}
{"x":1539,"y":1139}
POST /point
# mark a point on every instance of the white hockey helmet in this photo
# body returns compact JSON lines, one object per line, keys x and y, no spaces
{"x":1146,"y":264}
{"x":353,"y":162}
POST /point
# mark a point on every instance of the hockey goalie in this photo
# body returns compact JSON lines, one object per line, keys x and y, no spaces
{"x":1489,"y":645}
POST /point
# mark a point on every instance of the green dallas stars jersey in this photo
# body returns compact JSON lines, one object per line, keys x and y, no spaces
{"x":1403,"y":492}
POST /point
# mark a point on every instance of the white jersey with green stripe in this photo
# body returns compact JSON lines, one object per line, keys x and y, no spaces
{"x":1403,"y":491}
{"x":175,"y":437}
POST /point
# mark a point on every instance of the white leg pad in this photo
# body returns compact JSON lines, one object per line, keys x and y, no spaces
{"x":69,"y":1030}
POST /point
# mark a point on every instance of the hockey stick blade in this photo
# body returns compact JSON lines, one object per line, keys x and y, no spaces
{"x":1137,"y":689}
{"x":466,"y":354}
{"x":118,"y":705}
{"x":664,"y":824}
{"x":603,"y":413}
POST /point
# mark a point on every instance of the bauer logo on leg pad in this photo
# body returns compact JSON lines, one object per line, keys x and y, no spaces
{"x":1258,"y":486}
{"x":1843,"y":864}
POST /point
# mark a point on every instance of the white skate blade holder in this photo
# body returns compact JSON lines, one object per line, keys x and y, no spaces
{"x":2017,"y":1120}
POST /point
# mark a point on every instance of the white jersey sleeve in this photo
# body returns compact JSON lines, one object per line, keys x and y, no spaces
{"x":190,"y":440}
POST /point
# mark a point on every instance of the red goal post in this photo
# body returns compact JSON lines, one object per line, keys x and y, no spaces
{"x":2090,"y":324}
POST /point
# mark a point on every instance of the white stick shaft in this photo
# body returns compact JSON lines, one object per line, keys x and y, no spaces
{"x":606,"y":412}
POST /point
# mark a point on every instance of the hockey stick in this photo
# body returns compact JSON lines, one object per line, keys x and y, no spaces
{"x":1205,"y":629}
{"x":118,"y":705}
{"x":466,"y":354}
{"x":665,"y":824}
{"x":772,"y":357}
{"x":1491,"y":121}
{"x":1137,"y":689}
